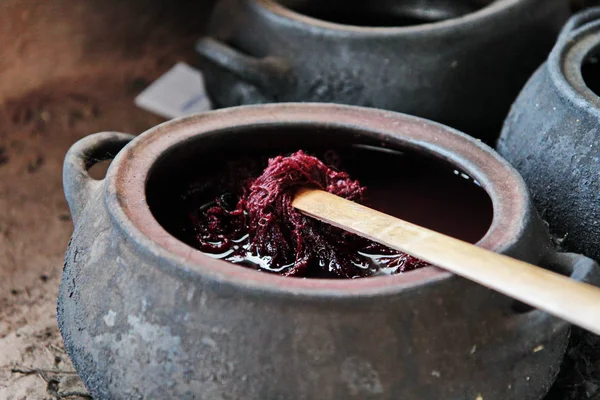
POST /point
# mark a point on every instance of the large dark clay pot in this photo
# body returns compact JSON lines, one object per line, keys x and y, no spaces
{"x":552,"y":136}
{"x":143,"y":315}
{"x":459,"y":62}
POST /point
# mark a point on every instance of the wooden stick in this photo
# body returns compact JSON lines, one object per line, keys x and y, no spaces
{"x":576,"y":302}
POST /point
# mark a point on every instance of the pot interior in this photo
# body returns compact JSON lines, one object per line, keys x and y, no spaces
{"x":399,"y":181}
{"x":590,"y":70}
{"x":385,"y":13}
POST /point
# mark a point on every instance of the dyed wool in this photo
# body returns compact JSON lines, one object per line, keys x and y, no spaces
{"x":261,"y":229}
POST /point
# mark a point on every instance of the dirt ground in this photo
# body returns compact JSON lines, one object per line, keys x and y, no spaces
{"x":69,"y":68}
{"x":35,"y":226}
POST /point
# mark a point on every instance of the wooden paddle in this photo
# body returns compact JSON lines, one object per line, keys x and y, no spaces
{"x":576,"y":302}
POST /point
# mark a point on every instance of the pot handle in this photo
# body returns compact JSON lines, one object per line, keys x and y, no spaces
{"x":86,"y":152}
{"x":543,"y":325}
{"x":261,"y":72}
{"x":577,"y":21}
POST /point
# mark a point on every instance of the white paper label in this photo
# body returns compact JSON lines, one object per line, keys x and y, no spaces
{"x":177,"y":93}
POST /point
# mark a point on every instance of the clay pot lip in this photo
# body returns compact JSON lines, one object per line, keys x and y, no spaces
{"x":125,"y":191}
{"x":577,"y":41}
{"x":274,"y":8}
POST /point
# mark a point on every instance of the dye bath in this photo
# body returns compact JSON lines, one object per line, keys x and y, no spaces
{"x":414,"y":188}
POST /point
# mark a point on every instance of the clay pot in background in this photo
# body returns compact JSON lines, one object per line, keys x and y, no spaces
{"x":459,"y":62}
{"x":552,"y":136}
{"x":145,"y":315}
{"x":577,"y":5}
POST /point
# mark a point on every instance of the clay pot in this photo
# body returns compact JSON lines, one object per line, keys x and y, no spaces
{"x":551,"y":136}
{"x":459,"y":62}
{"x":143,"y":315}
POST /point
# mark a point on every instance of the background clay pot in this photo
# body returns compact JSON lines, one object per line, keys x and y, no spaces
{"x":460,"y":62}
{"x":145,"y":315}
{"x":551,"y":136}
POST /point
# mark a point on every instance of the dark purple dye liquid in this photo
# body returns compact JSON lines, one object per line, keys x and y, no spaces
{"x":413,"y":188}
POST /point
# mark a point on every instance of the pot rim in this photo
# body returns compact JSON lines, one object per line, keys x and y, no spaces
{"x":279,"y":10}
{"x":578,"y":41}
{"x":125,"y":190}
